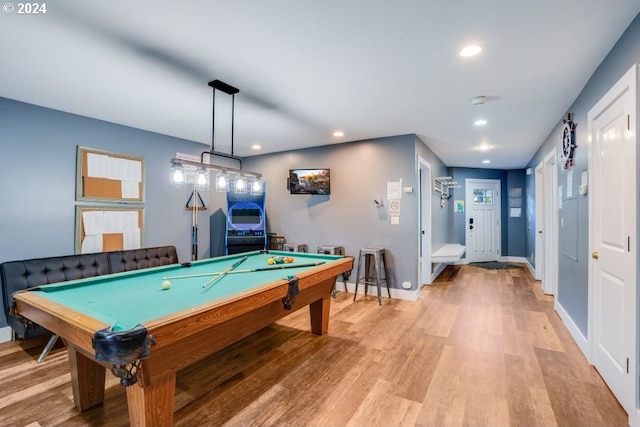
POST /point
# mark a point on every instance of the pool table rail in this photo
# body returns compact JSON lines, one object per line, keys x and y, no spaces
{"x":66,"y":322}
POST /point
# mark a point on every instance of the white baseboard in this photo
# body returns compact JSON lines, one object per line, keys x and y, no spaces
{"x":5,"y":334}
{"x":518,"y":259}
{"x":580,"y":339}
{"x":531,"y":269}
{"x":439,"y":269}
{"x":405,"y":294}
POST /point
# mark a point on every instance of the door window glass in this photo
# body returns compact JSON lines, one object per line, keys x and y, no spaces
{"x":482,"y":196}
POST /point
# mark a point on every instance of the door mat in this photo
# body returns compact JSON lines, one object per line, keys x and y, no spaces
{"x":494,"y":265}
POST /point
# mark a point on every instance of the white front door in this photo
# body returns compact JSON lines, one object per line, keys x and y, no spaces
{"x":612,"y":279}
{"x":482,"y":219}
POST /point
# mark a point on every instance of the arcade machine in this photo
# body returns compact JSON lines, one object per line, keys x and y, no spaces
{"x":246,"y":225}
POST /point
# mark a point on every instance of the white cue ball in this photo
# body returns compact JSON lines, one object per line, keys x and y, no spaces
{"x":166,"y":284}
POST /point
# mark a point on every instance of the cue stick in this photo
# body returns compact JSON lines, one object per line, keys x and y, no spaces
{"x":225,"y":272}
{"x":248,"y":270}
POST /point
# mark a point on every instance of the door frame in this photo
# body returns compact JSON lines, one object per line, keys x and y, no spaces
{"x":539,"y":227}
{"x":630,"y":78}
{"x":498,"y":184}
{"x":550,"y":224}
{"x":424,"y":222}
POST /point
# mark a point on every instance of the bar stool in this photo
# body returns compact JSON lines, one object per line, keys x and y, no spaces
{"x":335,"y":250}
{"x":331,"y":250}
{"x":294,"y":247}
{"x":379,"y":265}
{"x":275,"y":242}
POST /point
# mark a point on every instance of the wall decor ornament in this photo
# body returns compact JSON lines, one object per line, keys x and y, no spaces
{"x":568,"y":140}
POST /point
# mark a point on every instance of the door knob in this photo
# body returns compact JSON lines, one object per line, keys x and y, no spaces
{"x":595,"y":255}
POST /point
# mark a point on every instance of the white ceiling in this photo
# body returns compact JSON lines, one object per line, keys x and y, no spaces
{"x":308,"y":67}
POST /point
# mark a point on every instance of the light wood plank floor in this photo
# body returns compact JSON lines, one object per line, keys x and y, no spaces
{"x":480,"y":348}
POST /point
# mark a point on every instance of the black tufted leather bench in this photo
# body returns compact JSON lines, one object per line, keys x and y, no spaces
{"x":21,"y":275}
{"x":137,"y":259}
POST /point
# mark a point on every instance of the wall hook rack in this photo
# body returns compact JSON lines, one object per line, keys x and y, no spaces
{"x":443,"y":184}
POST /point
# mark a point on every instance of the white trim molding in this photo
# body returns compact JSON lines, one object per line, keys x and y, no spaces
{"x":580,"y":339}
{"x":6,"y":334}
{"x":405,"y":294}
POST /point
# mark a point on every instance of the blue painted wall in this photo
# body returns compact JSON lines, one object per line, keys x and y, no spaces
{"x":573,"y":262}
{"x":360,"y":172}
{"x":38,"y":176}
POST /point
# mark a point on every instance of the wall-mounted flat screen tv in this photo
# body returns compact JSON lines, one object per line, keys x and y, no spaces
{"x":310,"y":181}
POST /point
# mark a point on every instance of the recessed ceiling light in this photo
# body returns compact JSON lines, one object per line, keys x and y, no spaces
{"x":471,"y":50}
{"x":486,"y":161}
{"x":480,"y":122}
{"x":483,"y":147}
{"x":338,"y":133}
{"x":256,"y":147}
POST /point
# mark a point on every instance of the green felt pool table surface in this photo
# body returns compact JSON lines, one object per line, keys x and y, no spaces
{"x":98,"y":319}
{"x":126,"y":299}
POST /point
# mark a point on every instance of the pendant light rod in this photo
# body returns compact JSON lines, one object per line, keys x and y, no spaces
{"x":229,"y":90}
{"x":213,"y":123}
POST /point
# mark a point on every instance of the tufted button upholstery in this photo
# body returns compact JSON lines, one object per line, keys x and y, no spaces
{"x":137,"y":259}
{"x":20,"y":275}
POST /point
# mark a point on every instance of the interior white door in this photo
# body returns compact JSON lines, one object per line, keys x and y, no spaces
{"x":539,"y":255}
{"x":550,"y":227}
{"x":482,"y":219}
{"x":424,"y":172}
{"x":612,"y":180}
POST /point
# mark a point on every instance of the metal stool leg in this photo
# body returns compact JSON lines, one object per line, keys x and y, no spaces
{"x":367,"y":272}
{"x":378,"y":278}
{"x":355,"y":291}
{"x":47,"y":348}
{"x":386,"y":274}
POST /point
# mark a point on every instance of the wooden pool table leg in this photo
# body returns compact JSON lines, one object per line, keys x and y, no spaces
{"x":152,"y":404}
{"x":87,"y":379}
{"x":319,"y":311}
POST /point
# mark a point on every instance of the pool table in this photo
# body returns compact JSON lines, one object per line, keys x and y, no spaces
{"x":143,"y":333}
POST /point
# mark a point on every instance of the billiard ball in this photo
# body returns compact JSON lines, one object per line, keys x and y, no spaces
{"x":166,"y":284}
